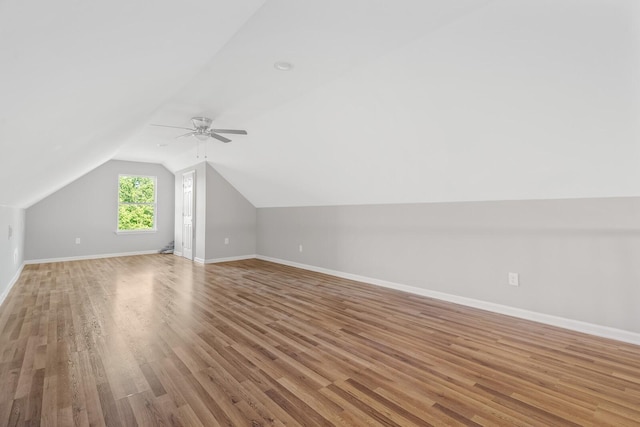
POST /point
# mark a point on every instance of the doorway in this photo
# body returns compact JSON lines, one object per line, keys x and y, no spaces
{"x":187,"y":214}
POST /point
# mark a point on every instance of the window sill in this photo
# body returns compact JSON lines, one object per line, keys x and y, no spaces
{"x":135,"y":231}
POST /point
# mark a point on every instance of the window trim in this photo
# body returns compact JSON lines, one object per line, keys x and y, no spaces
{"x":155,"y":206}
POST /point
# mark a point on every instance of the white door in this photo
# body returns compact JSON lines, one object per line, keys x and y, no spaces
{"x":187,"y":215}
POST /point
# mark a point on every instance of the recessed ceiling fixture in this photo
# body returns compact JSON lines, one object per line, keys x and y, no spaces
{"x":283,"y":66}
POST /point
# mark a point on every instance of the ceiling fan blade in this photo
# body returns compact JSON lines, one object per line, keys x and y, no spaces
{"x":174,"y":127}
{"x":218,"y":137}
{"x":235,"y":131}
{"x":186,"y":134}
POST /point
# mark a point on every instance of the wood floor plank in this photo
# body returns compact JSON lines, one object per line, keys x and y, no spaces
{"x":158,"y":340}
{"x":146,"y":409}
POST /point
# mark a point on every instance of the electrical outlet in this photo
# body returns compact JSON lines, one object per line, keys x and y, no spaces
{"x":10,"y":232}
{"x":299,"y":248}
{"x":77,"y":240}
{"x":514,"y":279}
{"x":226,"y":240}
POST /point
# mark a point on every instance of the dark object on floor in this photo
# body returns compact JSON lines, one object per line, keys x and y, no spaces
{"x":167,"y":249}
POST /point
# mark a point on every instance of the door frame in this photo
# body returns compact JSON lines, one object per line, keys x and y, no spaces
{"x":193,"y":222}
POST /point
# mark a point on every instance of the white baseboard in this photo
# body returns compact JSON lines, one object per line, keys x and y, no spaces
{"x":574,"y":325}
{"x":12,"y":282}
{"x":227,"y":259}
{"x":84,"y":257}
{"x":177,"y":253}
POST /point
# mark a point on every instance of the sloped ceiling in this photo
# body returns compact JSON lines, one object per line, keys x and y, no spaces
{"x":388,"y":101}
{"x":77,"y":78}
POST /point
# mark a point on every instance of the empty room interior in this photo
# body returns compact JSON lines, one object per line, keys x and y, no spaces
{"x":279,"y":212}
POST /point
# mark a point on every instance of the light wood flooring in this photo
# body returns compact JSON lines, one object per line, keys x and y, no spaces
{"x":158,"y":340}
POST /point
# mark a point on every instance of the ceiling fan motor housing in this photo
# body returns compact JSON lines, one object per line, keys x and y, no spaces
{"x":201,"y":123}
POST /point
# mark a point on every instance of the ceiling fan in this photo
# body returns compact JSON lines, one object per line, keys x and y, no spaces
{"x":202,"y":130}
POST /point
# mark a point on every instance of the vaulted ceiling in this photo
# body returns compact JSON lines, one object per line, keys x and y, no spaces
{"x":387,"y":101}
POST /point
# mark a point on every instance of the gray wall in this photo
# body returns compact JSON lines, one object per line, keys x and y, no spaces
{"x":87,"y":208}
{"x":220,"y":212}
{"x":11,"y":246}
{"x":577,"y":259}
{"x":229,"y":215}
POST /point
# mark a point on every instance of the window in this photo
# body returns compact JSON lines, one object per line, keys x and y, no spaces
{"x":136,"y":203}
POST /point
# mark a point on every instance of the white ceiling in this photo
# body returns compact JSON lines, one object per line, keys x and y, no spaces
{"x":389,"y":101}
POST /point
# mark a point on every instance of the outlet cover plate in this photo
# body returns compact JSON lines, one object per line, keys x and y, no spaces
{"x":514,"y":279}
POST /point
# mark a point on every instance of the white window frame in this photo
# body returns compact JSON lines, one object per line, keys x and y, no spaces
{"x":155,"y":205}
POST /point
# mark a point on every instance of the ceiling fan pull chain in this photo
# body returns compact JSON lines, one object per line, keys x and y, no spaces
{"x":201,"y":153}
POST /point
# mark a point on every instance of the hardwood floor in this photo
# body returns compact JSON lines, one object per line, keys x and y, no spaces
{"x":157,"y":340}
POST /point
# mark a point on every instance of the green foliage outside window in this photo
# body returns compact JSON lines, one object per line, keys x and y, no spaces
{"x":136,"y":203}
